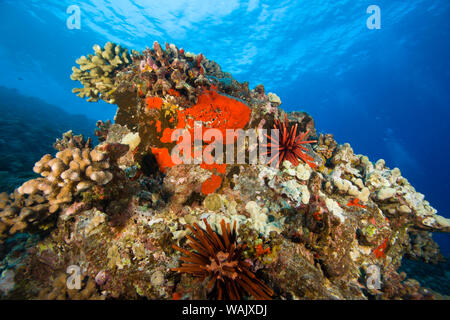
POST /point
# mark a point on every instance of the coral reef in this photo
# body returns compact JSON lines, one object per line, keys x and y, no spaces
{"x":218,"y":258}
{"x":59,"y":291}
{"x":432,"y":276}
{"x":23,"y":140}
{"x":123,"y":210}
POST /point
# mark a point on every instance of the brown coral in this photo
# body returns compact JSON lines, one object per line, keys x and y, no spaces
{"x":219,"y":258}
{"x":59,"y":290}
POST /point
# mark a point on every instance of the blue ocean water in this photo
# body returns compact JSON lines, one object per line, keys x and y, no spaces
{"x":385,"y":91}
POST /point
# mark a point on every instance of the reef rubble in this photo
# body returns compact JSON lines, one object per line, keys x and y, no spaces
{"x":325,"y":223}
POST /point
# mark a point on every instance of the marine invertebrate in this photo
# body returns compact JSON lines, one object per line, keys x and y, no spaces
{"x":317,"y":215}
{"x":154,"y":103}
{"x":7,"y":281}
{"x":60,"y":291}
{"x":213,"y":110}
{"x":69,"y":140}
{"x":303,"y":226}
{"x":326,"y":145}
{"x":288,"y":145}
{"x":219,"y":258}
{"x":163,"y":158}
{"x":212,"y":184}
{"x":261,"y":251}
{"x":71,"y":170}
{"x":213,"y":202}
{"x":102,"y":130}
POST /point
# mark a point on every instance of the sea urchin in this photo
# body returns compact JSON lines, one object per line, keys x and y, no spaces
{"x":287,"y":144}
{"x":219,"y":258}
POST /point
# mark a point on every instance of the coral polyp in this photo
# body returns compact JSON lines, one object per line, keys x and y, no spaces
{"x":288,"y":144}
{"x":218,"y":258}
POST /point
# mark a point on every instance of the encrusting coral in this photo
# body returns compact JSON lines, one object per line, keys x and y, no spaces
{"x":312,"y":229}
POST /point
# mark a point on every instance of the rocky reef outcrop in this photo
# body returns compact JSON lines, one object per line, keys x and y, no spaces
{"x":320,"y":223}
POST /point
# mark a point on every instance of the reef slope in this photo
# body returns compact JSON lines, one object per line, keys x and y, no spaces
{"x":325,"y":224}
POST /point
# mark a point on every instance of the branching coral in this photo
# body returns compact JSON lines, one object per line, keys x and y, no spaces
{"x":219,"y":258}
{"x":312,"y":229}
{"x":288,"y":144}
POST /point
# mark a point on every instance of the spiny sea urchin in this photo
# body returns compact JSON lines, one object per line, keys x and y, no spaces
{"x":288,"y":144}
{"x":219,"y":258}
